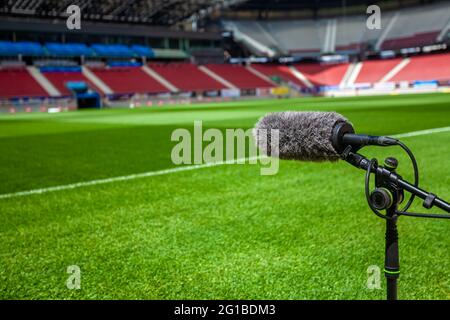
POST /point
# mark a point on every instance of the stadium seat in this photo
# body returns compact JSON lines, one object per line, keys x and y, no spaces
{"x":26,"y":48}
{"x":425,"y":68}
{"x":282,"y":72}
{"x":19,"y":84}
{"x":186,"y":77}
{"x":323,"y":75}
{"x":417,"y":27}
{"x":60,"y":76}
{"x":68,"y":49}
{"x":239,"y":76}
{"x":415,"y":40}
{"x":143,"y":51}
{"x":373,"y":71}
{"x":113,"y":50}
{"x":129,"y":80}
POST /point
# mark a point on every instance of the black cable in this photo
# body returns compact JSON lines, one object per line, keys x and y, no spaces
{"x":416,"y":173}
{"x":424,"y":215}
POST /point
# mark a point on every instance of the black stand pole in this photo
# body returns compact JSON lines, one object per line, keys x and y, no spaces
{"x":391,"y":263}
{"x":387,"y":196}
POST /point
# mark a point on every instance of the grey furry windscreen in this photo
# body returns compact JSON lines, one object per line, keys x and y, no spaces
{"x":304,"y":136}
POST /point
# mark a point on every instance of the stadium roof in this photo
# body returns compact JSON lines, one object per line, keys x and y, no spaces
{"x":153,"y":12}
{"x":285,"y":5}
{"x":172,"y":12}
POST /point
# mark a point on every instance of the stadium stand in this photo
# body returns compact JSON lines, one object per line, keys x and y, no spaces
{"x":373,"y":71}
{"x":186,"y":77}
{"x":17,"y":83}
{"x":323,"y":75}
{"x":68,"y":49}
{"x":239,"y":76}
{"x":113,"y":50}
{"x":61,"y":76}
{"x":8,"y":48}
{"x":437,"y":68}
{"x":282,"y":72}
{"x":350,"y":36}
{"x":143,"y":51}
{"x":400,"y":29}
{"x":129,"y":80}
{"x":417,"y":27}
{"x":52,"y":49}
{"x":255,"y":30}
{"x":310,"y":39}
{"x":124,"y":69}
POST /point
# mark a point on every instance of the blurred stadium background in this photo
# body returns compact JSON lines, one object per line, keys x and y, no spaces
{"x":221,"y":232}
{"x":146,"y":52}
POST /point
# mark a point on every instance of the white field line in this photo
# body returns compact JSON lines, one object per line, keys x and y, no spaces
{"x":178,"y":169}
{"x":125,"y":178}
{"x":420,"y":133}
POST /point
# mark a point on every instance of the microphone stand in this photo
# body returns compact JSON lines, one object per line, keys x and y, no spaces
{"x":387,"y":196}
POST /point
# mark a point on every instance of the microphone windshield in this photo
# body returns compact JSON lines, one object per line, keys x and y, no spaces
{"x":304,"y":136}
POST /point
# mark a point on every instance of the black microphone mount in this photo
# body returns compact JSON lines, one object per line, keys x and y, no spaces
{"x":388,"y":193}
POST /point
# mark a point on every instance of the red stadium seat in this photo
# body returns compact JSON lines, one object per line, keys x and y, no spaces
{"x":324,"y":75}
{"x":374,"y":71}
{"x":187,"y":77}
{"x":419,"y":39}
{"x":59,"y":80}
{"x":129,"y":80}
{"x":19,"y":83}
{"x":432,"y":67}
{"x":239,"y":76}
{"x":283,"y":72}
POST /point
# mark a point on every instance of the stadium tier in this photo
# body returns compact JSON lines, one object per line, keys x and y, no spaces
{"x":129,"y":80}
{"x":400,"y":29}
{"x":68,"y":49}
{"x":284,"y":73}
{"x":416,"y":27}
{"x":187,"y":77}
{"x":59,"y":78}
{"x":324,"y":75}
{"x":8,"y":48}
{"x":51,"y":49}
{"x":239,"y":76}
{"x":425,"y":68}
{"x":374,"y":71}
{"x":19,"y":83}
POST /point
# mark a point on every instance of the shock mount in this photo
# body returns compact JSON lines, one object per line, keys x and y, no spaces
{"x":387,"y":196}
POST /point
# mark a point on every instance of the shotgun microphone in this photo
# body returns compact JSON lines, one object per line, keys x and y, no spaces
{"x":312,"y":136}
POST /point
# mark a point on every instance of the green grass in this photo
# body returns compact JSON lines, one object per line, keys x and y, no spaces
{"x":217,"y":233}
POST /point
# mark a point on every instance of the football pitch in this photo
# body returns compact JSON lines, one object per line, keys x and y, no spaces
{"x":219,"y":232}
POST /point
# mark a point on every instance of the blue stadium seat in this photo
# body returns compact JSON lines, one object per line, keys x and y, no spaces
{"x":68,"y":49}
{"x":143,"y":51}
{"x":7,"y":49}
{"x":25,"y":48}
{"x":65,"y":69}
{"x":124,"y":64}
{"x":77,"y":86}
{"x":113,"y":50}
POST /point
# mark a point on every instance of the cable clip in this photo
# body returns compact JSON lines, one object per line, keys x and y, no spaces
{"x":345,"y":153}
{"x":428,"y":202}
